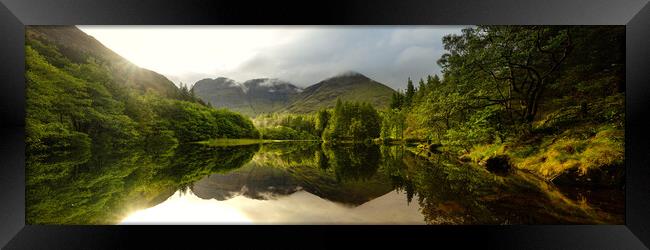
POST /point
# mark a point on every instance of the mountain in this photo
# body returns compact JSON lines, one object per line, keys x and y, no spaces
{"x":349,"y":86}
{"x":266,"y":95}
{"x":251,"y":97}
{"x":79,"y":47}
{"x":223,"y":93}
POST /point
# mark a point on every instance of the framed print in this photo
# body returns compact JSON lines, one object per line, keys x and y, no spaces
{"x":507,"y":124}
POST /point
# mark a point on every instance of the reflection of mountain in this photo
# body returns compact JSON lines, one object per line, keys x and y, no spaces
{"x":271,"y":175}
{"x":251,"y":181}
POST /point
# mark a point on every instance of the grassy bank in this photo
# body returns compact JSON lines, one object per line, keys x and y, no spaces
{"x":239,"y":142}
{"x":583,"y":152}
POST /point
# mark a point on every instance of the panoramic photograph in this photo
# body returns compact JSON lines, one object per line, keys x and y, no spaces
{"x":434,"y":125}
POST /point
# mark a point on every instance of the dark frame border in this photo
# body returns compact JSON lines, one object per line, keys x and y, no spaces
{"x":635,"y":14}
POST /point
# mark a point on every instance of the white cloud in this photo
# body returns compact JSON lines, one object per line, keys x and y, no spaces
{"x":416,"y":54}
{"x":302,"y":55}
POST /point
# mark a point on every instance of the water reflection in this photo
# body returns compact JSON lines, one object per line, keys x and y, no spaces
{"x":110,"y":184}
{"x":293,"y":183}
{"x":300,"y":207}
{"x":283,"y":168}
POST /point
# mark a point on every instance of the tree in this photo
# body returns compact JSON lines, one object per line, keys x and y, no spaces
{"x":397,"y":100}
{"x":352,"y":120}
{"x":410,"y":92}
{"x":420,"y":91}
{"x":322,"y":121}
{"x":393,"y":124}
{"x":511,"y":66}
{"x":432,"y":81}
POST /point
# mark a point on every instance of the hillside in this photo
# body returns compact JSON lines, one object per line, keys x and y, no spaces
{"x":79,"y":47}
{"x":82,"y":94}
{"x":269,"y":95}
{"x":222,"y":92}
{"x":351,"y":86}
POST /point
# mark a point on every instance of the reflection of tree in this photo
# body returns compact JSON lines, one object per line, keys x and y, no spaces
{"x":353,"y":161}
{"x":321,"y":159}
{"x":193,"y":161}
{"x":309,"y":165}
{"x":292,"y":153}
{"x":111,"y":183}
{"x":453,"y":193}
{"x":78,"y":188}
{"x":392,"y":162}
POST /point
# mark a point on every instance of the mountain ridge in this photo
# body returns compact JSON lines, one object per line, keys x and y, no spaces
{"x":252,"y":97}
{"x":265,"y":95}
{"x":349,"y":86}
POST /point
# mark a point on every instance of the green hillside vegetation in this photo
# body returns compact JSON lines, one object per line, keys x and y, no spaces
{"x":550,"y":99}
{"x":77,"y":47}
{"x":352,"y":87}
{"x":353,"y":121}
{"x":283,"y":126}
{"x":347,"y":121}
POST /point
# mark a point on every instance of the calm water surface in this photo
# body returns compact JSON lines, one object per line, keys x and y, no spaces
{"x":297,"y":183}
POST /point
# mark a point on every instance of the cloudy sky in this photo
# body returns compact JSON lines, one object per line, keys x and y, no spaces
{"x":302,"y":55}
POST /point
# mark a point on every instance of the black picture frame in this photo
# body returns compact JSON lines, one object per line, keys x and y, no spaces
{"x":16,"y":14}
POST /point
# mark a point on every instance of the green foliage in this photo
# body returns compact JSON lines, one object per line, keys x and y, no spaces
{"x":353,"y":121}
{"x":72,"y":105}
{"x":283,"y":126}
{"x":504,"y":82}
{"x":323,"y":117}
{"x":397,"y":100}
{"x":187,"y":94}
{"x":410,"y":92}
{"x":393,"y":124}
{"x":195,"y":122}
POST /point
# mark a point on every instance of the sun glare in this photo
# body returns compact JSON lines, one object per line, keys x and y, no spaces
{"x":189,"y":48}
{"x":187,"y":209}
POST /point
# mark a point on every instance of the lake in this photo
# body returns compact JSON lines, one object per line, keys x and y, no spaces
{"x":296,"y":183}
